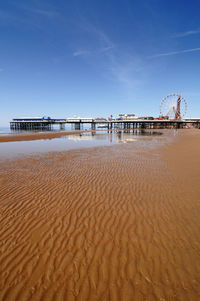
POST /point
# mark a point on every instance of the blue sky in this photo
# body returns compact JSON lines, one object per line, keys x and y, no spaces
{"x":96,"y":58}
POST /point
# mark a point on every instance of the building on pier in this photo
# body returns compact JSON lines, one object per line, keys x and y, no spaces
{"x":126,"y":117}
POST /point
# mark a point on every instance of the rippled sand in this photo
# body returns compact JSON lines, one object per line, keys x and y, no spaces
{"x":108,"y":223}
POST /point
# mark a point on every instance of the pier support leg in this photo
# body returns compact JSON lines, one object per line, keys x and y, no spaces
{"x":77,"y":126}
{"x":93,"y":126}
{"x":62,"y":126}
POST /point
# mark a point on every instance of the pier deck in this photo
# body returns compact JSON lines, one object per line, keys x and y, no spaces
{"x":124,"y":124}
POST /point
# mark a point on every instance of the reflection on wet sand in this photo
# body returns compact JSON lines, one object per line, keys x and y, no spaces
{"x":69,"y":142}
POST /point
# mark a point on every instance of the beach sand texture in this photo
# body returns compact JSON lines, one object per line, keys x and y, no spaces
{"x":107,"y":223}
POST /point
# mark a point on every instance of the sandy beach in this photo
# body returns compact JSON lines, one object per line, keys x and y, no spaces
{"x":117,"y":222}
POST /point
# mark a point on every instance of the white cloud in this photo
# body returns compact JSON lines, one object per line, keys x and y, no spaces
{"x":187,"y":33}
{"x":27,"y":18}
{"x":100,"y":40}
{"x":104,"y":49}
{"x":124,"y":69}
{"x":43,"y":12}
{"x":126,"y":73}
{"x":175,"y":52}
{"x":104,"y":44}
{"x":81,"y":53}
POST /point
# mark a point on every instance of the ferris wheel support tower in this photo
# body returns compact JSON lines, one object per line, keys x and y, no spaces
{"x":178,"y":109}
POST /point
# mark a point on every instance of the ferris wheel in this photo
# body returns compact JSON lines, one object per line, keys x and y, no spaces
{"x":174,"y":106}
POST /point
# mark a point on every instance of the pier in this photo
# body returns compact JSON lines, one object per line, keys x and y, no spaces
{"x":77,"y":124}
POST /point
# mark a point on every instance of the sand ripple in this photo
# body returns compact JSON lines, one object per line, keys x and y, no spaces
{"x":100,"y":224}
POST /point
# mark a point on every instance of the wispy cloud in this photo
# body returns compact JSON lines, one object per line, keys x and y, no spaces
{"x":104,"y":49}
{"x":43,"y":12}
{"x":81,"y":53}
{"x":115,"y":65}
{"x":187,"y":33}
{"x":92,"y":52}
{"x":175,"y":52}
{"x":127,"y":73}
{"x":105,"y":42}
{"x":100,"y":41}
{"x":7,"y":17}
{"x":30,"y":15}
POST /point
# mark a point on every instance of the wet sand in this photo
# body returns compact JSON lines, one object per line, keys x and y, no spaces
{"x":37,"y":135}
{"x":107,"y":223}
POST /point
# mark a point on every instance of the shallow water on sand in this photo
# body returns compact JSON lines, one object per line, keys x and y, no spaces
{"x":10,"y":150}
